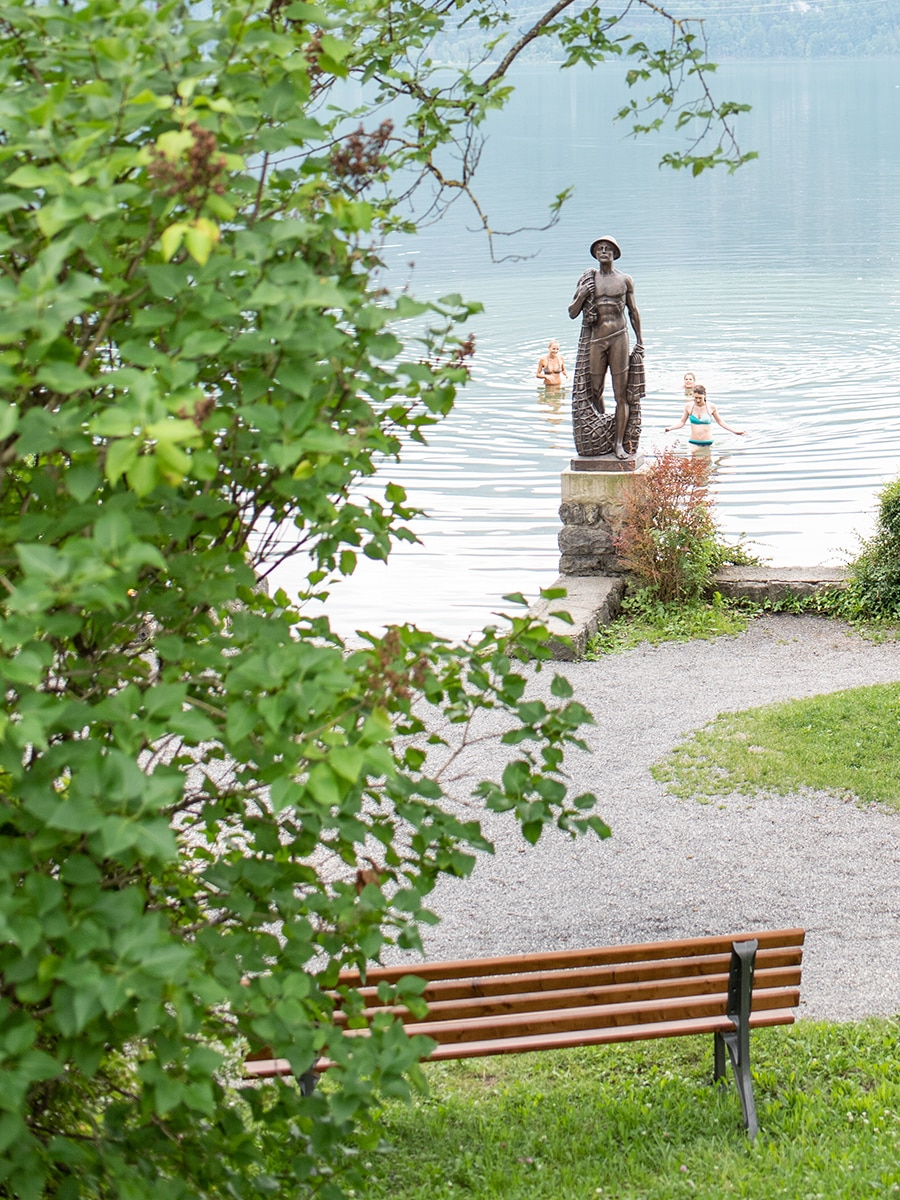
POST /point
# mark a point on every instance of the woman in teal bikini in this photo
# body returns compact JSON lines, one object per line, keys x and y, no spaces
{"x":701,"y":416}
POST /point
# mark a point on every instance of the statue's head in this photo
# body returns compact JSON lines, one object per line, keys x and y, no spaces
{"x":609,"y":241}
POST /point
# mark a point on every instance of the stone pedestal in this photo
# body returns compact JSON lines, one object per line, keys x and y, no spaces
{"x":593,"y":492}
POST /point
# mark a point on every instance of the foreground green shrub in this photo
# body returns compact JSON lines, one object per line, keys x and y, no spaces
{"x":209,"y":803}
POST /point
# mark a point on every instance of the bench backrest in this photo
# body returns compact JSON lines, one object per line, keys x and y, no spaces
{"x":672,"y":982}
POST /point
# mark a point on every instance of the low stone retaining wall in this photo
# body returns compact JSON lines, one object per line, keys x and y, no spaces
{"x":776,"y":583}
{"x":592,"y":600}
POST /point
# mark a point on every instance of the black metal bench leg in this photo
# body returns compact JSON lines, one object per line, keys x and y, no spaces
{"x":307,"y":1081}
{"x":719,"y":1056}
{"x":737,"y":1042}
{"x":741,"y":1064}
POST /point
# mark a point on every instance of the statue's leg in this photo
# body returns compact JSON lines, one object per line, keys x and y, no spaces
{"x":598,"y":362}
{"x":618,"y":363}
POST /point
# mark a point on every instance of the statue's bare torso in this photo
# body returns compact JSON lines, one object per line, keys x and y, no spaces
{"x":604,"y":296}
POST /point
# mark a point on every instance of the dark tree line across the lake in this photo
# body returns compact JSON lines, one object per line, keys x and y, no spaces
{"x":769,"y":29}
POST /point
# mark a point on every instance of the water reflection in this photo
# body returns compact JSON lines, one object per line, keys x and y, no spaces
{"x":552,"y":404}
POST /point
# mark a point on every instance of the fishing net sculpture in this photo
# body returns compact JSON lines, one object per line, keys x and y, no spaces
{"x":602,"y":296}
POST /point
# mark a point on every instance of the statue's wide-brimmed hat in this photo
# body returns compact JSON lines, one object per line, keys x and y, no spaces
{"x":617,"y":250}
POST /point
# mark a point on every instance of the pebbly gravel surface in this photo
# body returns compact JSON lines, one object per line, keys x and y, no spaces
{"x":676,"y":868}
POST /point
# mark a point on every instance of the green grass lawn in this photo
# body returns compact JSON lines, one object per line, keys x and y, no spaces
{"x":642,"y":1122}
{"x":847,"y":743}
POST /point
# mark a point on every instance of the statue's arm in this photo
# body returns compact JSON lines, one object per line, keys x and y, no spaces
{"x":579,"y":301}
{"x":633,"y":311}
{"x":583,"y":292}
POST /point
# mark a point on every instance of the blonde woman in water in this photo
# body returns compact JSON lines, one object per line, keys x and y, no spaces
{"x":701,"y":416}
{"x":551,"y":368}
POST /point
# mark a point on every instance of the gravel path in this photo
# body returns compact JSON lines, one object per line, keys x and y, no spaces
{"x":677,"y":868}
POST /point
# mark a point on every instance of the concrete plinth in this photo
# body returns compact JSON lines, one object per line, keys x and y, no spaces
{"x":591,"y":513}
{"x":777,"y":583}
{"x":608,"y":463}
{"x":590,"y":602}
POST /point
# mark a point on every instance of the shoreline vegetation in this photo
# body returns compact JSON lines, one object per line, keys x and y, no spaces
{"x":671,"y":547}
{"x":802,"y":31}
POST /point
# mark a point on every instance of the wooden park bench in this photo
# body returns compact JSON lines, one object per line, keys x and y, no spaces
{"x":725,"y":986}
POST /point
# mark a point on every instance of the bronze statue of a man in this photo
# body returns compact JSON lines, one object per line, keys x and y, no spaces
{"x":602,"y":297}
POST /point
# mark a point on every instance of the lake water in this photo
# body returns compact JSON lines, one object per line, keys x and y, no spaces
{"x":779,"y":286}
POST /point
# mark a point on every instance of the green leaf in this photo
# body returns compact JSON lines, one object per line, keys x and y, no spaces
{"x":171,"y":238}
{"x":173,"y":429}
{"x":9,"y":419}
{"x":74,"y":1008}
{"x":26,"y":667}
{"x":38,"y":559}
{"x":144,"y":476}
{"x":64,"y":378}
{"x":114,"y":422}
{"x":200,"y":238}
{"x":348,"y":762}
{"x":82,"y":481}
{"x":323,"y":786}
{"x":30,"y":177}
{"x":121,"y":455}
{"x":561,"y":687}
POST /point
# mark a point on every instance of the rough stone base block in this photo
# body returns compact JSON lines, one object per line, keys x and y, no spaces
{"x":591,"y":513}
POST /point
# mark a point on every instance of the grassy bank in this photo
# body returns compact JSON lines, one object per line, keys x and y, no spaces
{"x":642,"y":1122}
{"x":845,"y":742}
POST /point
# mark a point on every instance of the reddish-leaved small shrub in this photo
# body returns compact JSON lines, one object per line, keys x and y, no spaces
{"x":668,"y":535}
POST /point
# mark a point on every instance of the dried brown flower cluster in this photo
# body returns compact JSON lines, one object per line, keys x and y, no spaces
{"x":389,"y":682}
{"x":196,"y":178}
{"x":361,"y":155}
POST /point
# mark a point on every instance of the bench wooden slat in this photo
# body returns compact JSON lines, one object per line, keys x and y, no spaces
{"x":575,"y":997}
{"x":591,"y":1016}
{"x":597,"y":956}
{"x":485,"y":985}
{"x":562,"y":1040}
{"x":270,"y":1068}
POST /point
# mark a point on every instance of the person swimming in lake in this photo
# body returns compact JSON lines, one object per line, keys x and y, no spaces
{"x":552,"y":367}
{"x":701,"y":415}
{"x":689,"y":380}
